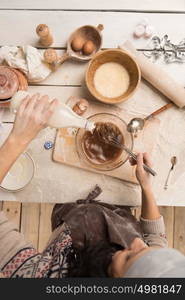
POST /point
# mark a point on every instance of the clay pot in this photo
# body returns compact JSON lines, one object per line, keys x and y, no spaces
{"x":11,"y":80}
{"x":9,"y":83}
{"x":23,"y":83}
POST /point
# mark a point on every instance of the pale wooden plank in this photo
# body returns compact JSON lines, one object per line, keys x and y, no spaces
{"x":117,"y":26}
{"x":168,"y":213}
{"x":44,"y":225}
{"x":13,"y":211}
{"x":30,"y":222}
{"x":72,"y":73}
{"x":145,"y":5}
{"x":179,"y":229}
{"x":138,"y":213}
{"x":133,"y":211}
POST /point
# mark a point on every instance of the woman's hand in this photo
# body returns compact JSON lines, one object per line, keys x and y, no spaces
{"x":143,"y":177}
{"x":149,"y":208}
{"x":32,"y":116}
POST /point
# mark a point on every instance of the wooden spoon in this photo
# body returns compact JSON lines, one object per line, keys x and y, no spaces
{"x":86,"y":32}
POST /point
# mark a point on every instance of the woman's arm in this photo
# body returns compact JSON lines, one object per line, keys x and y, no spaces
{"x":149,"y":208}
{"x":9,"y":152}
{"x":31,"y":117}
{"x":152,"y":222}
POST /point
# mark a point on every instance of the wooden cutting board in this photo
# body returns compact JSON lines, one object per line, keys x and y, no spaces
{"x":65,"y":149}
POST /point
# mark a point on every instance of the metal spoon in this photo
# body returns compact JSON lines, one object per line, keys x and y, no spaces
{"x":137,"y":124}
{"x":173,"y":162}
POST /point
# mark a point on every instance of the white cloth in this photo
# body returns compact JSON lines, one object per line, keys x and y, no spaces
{"x":27,"y":59}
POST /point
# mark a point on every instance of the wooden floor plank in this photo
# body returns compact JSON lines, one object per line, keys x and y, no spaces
{"x":34,"y":222}
{"x":13,"y":211}
{"x":44,"y":225}
{"x":30,"y":222}
{"x":179,"y":229}
{"x":168,"y":213}
{"x":133,"y":211}
{"x":138,"y":212}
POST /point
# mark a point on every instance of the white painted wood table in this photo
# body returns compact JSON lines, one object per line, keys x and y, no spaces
{"x":59,"y":183}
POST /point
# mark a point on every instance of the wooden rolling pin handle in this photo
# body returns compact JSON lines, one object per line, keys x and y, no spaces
{"x":163,"y":108}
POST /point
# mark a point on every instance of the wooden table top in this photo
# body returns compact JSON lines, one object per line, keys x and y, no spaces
{"x":18,"y":19}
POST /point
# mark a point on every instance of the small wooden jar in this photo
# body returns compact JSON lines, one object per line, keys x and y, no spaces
{"x":46,"y":39}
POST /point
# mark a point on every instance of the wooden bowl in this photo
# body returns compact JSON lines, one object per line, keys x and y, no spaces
{"x":118,"y":56}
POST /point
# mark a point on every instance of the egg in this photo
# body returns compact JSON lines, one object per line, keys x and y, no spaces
{"x":77,"y":43}
{"x":88,"y":48}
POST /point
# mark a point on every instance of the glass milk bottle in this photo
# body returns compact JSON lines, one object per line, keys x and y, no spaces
{"x":63,"y":115}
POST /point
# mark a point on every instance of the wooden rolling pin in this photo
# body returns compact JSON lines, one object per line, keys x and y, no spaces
{"x":156,"y":75}
{"x":46,"y":38}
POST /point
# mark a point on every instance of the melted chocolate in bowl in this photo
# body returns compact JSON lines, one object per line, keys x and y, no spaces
{"x":95,"y":146}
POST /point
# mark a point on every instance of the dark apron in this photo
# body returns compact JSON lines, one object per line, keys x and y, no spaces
{"x":92,"y":222}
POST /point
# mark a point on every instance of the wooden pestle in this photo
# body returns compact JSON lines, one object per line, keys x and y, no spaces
{"x":46,"y":39}
{"x":51,"y":57}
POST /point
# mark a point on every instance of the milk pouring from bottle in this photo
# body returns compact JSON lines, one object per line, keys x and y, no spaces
{"x":63,"y":115}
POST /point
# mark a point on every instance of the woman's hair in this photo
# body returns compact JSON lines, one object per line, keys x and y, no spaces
{"x":92,"y":261}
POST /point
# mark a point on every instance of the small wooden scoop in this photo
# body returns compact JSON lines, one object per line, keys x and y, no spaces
{"x":88,"y":33}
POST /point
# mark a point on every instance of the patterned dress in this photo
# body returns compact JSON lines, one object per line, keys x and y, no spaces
{"x":52,"y":263}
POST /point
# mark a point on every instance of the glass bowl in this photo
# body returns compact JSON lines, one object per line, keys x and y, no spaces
{"x":20,"y":174}
{"x":109,"y":165}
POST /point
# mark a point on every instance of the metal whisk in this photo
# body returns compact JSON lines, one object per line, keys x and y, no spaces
{"x":110,"y":139}
{"x":114,"y":142}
